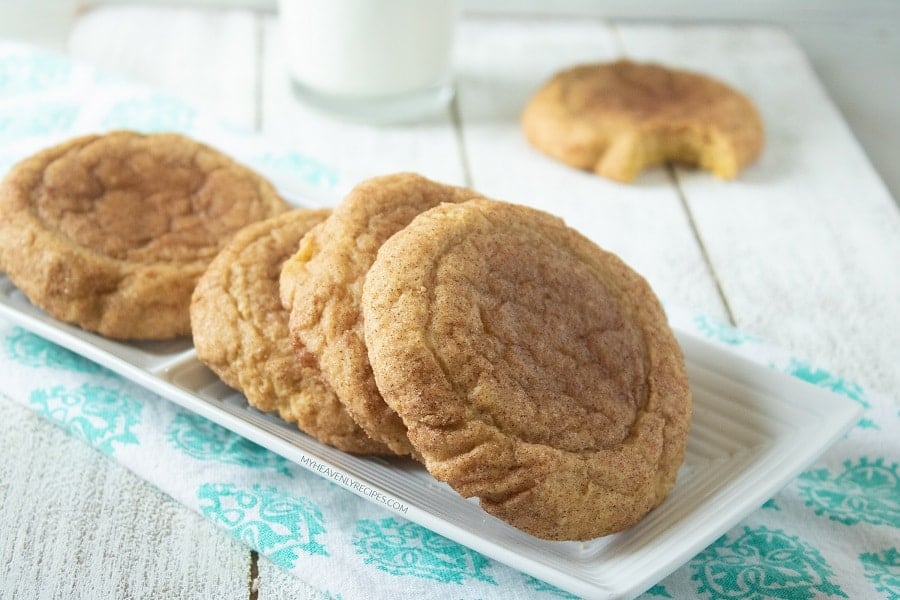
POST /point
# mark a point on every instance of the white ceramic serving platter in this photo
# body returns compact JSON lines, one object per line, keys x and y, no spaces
{"x":753,"y":431}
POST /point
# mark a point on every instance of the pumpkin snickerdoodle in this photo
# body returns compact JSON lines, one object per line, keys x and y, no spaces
{"x":532,"y":369}
{"x":618,"y":118}
{"x":322,"y":284}
{"x":111,"y":232}
{"x":240,"y":331}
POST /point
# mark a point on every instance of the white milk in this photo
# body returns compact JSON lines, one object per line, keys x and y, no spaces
{"x":366,"y":54}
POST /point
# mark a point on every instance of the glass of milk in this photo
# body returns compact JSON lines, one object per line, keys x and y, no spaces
{"x":370,"y":60}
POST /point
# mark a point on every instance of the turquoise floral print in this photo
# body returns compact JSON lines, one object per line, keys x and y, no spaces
{"x":204,"y":440}
{"x":659,"y":590}
{"x":829,"y":381}
{"x":35,"y":72}
{"x":722,"y":332}
{"x":403,"y":548}
{"x":867,"y":491}
{"x":279,"y":525}
{"x":770,"y":504}
{"x":34,"y":351}
{"x":883,"y":571}
{"x":42,"y":119}
{"x":762,"y":563}
{"x":102,"y":416}
{"x":300,"y":167}
{"x":542,"y":586}
{"x":822,"y":378}
{"x":154,"y":113}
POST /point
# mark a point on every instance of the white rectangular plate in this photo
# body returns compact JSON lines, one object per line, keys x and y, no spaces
{"x":753,"y":431}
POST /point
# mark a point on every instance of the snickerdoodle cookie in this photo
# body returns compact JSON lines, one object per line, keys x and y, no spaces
{"x":111,"y":232}
{"x":533,"y":370}
{"x":322,"y":283}
{"x":241,"y":332}
{"x":617,"y":118}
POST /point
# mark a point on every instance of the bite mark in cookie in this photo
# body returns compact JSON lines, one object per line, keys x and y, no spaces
{"x":616,"y":119}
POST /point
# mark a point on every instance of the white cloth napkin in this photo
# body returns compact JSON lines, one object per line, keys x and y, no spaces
{"x":831,"y":533}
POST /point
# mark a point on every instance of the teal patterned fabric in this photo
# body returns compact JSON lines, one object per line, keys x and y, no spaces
{"x":834,"y":383}
{"x":204,"y":440}
{"x":659,"y":590}
{"x":40,"y":119}
{"x":301,"y":166}
{"x":822,"y":378}
{"x":864,"y":491}
{"x":763,"y":563}
{"x":542,"y":586}
{"x":721,"y":332}
{"x":33,"y":71}
{"x":883,"y":570}
{"x":830,"y":533}
{"x":47,"y":97}
{"x":153,"y":113}
{"x":279,"y":525}
{"x":402,"y":548}
{"x":34,"y":351}
{"x":102,"y":416}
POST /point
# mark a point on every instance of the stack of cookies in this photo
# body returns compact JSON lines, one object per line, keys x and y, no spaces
{"x":519,"y":362}
{"x":515,"y":359}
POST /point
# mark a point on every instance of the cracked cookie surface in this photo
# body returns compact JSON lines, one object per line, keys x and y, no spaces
{"x":241,"y":332}
{"x":111,"y":232}
{"x":532,"y":369}
{"x":618,"y":118}
{"x":322,"y":284}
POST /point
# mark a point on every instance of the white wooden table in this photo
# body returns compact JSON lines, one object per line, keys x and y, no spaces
{"x":803,"y":249}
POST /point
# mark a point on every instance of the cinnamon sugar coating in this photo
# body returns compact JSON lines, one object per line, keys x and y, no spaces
{"x":532,"y":369}
{"x":322,"y":286}
{"x":111,"y":232}
{"x":241,"y":332}
{"x":618,"y":118}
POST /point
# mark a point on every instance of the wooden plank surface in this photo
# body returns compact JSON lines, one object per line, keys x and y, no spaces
{"x":793,"y":241}
{"x":77,"y":525}
{"x":208,"y":57}
{"x":645,"y":223}
{"x":778,"y":250}
{"x":85,"y":527}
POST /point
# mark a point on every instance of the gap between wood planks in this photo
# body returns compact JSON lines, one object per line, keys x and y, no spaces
{"x":456,"y":119}
{"x":673,"y":176}
{"x":254,"y":575}
{"x":258,"y":79}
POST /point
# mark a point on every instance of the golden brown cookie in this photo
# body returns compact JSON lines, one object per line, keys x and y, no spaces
{"x":533,"y":370}
{"x":617,"y":118}
{"x":111,"y":232}
{"x":321,"y":285}
{"x":241,"y":333}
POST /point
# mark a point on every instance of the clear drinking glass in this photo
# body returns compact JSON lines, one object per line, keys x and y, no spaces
{"x":370,"y":60}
